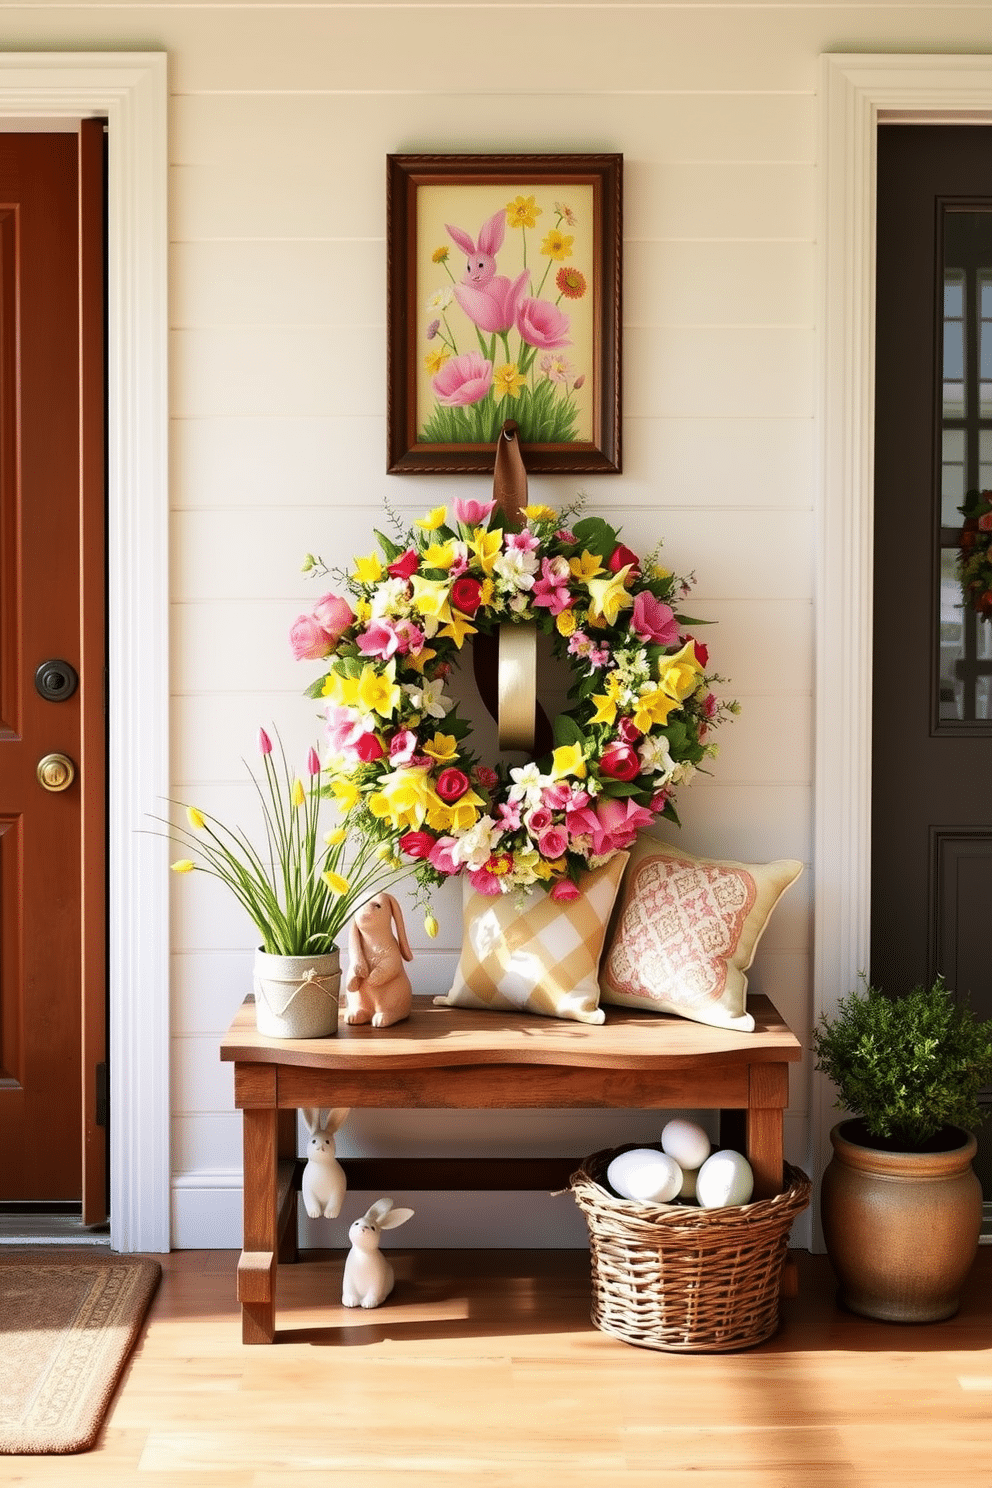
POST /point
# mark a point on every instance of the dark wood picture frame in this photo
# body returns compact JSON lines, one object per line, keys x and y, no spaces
{"x":566,"y":377}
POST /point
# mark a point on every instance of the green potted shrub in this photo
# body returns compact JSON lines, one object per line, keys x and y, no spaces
{"x":901,"y":1206}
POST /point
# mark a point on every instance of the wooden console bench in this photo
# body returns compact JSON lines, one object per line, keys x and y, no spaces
{"x":461,"y":1059}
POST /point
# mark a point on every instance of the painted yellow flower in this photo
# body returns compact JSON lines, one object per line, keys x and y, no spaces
{"x":440,"y":255}
{"x":459,"y":816}
{"x":443,"y":748}
{"x":368,"y":570}
{"x":608,"y":596}
{"x":435,"y":360}
{"x":195,"y":818}
{"x":487,"y":594}
{"x":183,"y":865}
{"x":487,"y":547}
{"x":298,"y":795}
{"x":586,"y":567}
{"x":336,"y":883}
{"x":346,"y":793}
{"x":557,"y":245}
{"x":377,"y":691}
{"x":566,"y":622}
{"x":539,"y":513}
{"x":433,"y":520}
{"x":431,"y":925}
{"x":334,"y":838}
{"x":363,"y":611}
{"x":508,"y":380}
{"x":523,"y":211}
{"x":568,"y":759}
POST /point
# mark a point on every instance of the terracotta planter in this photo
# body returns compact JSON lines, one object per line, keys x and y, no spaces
{"x":901,"y":1228}
{"x":297,"y":996}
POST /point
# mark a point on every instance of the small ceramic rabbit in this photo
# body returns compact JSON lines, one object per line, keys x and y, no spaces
{"x":368,"y":1276}
{"x":378,"y":989}
{"x":324,"y":1182}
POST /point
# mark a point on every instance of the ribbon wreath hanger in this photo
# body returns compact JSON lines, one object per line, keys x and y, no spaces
{"x":505,"y":663}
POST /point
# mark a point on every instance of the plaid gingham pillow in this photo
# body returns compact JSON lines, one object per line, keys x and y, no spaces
{"x":542,"y":958}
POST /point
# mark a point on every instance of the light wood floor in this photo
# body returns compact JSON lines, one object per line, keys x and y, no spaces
{"x":483,"y":1369}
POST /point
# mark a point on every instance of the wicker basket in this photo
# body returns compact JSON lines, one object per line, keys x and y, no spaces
{"x":687,"y":1280}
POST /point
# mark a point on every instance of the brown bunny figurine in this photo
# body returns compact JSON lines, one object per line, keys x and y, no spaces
{"x":378,"y":990}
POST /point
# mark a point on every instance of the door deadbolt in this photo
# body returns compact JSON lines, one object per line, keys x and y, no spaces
{"x":56,"y":772}
{"x":56,"y":680}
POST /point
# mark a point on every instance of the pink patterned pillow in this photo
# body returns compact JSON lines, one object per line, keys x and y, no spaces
{"x":685,"y":932}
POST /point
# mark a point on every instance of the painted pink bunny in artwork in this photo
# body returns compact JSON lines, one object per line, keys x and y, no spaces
{"x":489,"y":299}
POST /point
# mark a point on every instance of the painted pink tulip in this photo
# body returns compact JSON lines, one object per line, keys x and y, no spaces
{"x":402,"y":746}
{"x":542,"y":324}
{"x":334,"y":615}
{"x":652,"y":620}
{"x":313,"y":762}
{"x":380,"y":639}
{"x":465,"y":379}
{"x":493,"y":307}
{"x":264,"y":742}
{"x":316,"y":635}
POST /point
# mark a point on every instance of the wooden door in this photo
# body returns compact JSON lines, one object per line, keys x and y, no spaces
{"x":52,"y":842}
{"x":932,"y":667}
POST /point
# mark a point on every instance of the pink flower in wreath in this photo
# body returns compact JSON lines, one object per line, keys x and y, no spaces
{"x":440,"y":857}
{"x":402,"y":747}
{"x":465,"y":379}
{"x":652,"y":620}
{"x":471,"y":513}
{"x":619,"y":761}
{"x":380,"y":639}
{"x":553,"y":843}
{"x":565,"y":891}
{"x":542,"y":324}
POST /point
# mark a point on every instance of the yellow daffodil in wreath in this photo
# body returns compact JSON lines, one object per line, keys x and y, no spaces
{"x":399,"y":754}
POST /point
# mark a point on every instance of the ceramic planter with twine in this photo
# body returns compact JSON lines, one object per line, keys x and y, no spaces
{"x":296,"y":997}
{"x":901,"y":1228}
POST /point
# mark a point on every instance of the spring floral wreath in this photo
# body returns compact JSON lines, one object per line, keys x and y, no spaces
{"x":400,"y":755}
{"x":975,"y":552}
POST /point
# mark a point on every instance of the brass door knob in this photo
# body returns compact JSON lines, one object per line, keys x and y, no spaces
{"x":56,"y":772}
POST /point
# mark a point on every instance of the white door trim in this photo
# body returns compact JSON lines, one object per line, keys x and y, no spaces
{"x":130,"y":89}
{"x":856,"y":91}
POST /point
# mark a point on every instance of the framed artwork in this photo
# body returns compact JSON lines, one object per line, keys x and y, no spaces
{"x":504,"y":282}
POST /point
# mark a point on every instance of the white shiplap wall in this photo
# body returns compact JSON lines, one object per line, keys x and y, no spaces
{"x":281,"y":118}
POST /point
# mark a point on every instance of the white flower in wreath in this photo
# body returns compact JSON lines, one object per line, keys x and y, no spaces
{"x":476,"y":845}
{"x":429,"y":698}
{"x":516,"y":568}
{"x":656,"y":758}
{"x":528,"y":783}
{"x":390,"y":599}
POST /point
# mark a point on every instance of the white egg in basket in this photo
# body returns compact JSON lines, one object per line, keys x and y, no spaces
{"x":686,"y":1142}
{"x":723,"y":1180}
{"x":646,"y":1175}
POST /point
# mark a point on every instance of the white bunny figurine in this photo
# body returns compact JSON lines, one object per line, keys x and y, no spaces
{"x":378,"y":989}
{"x":368,"y":1276}
{"x":324,"y":1182}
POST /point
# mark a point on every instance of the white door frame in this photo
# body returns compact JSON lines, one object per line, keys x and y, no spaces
{"x":856,"y":92}
{"x":130,"y":90}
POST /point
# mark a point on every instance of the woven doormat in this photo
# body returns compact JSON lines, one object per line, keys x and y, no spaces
{"x":67,"y":1325}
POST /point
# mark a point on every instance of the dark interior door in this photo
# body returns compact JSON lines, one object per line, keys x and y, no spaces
{"x":52,"y":839}
{"x":932,"y":664}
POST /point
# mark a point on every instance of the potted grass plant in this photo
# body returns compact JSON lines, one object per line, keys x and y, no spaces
{"x":298,"y":890}
{"x":901,"y":1205}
